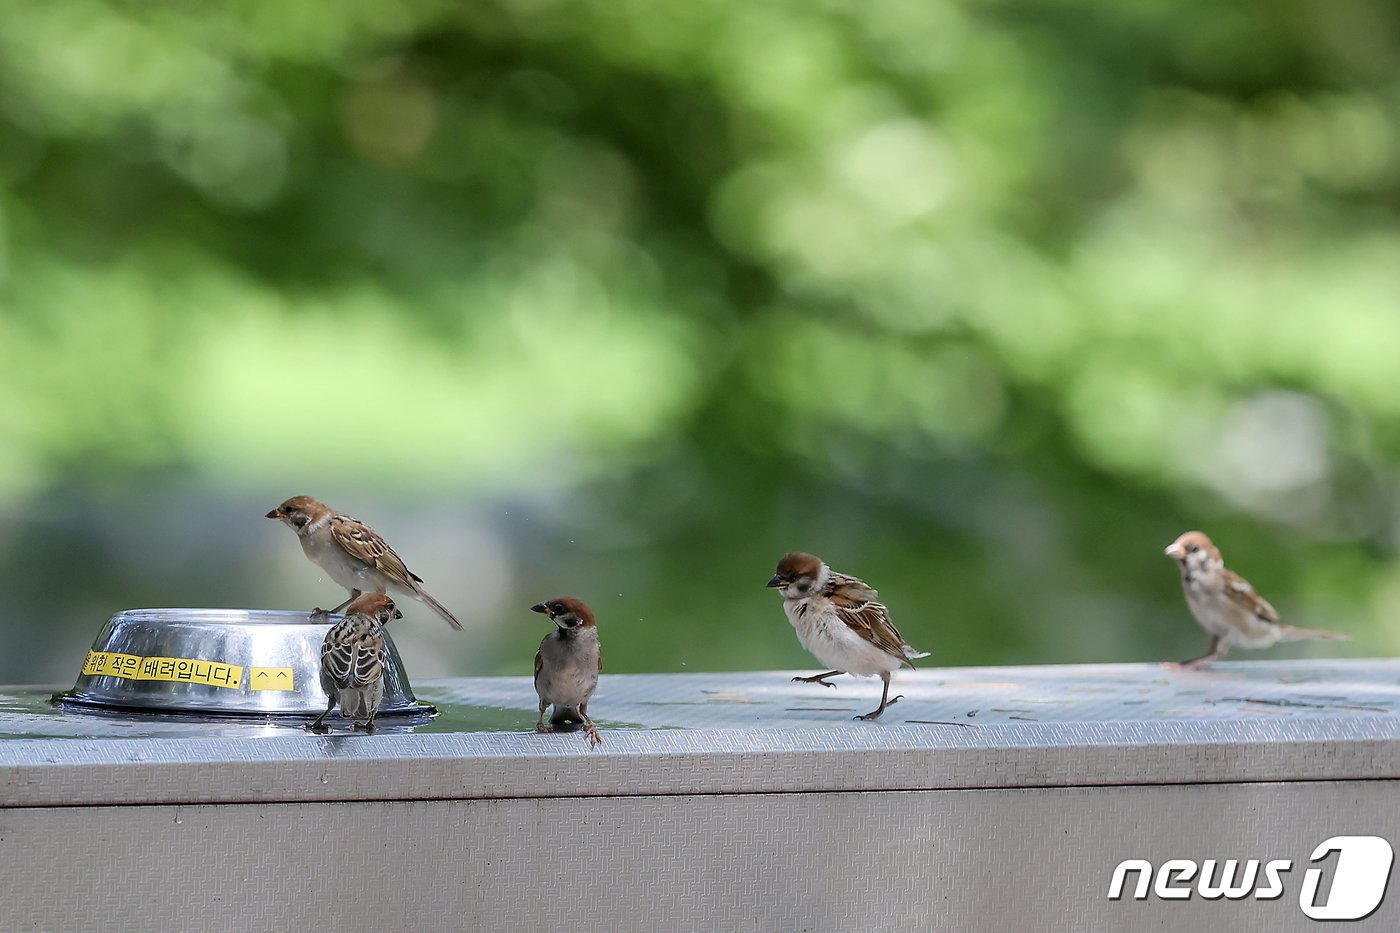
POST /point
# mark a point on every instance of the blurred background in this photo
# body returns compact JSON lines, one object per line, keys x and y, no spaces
{"x":982,"y":301}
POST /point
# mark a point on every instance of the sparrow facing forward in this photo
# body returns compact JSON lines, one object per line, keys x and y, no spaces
{"x":353,"y":658}
{"x":352,"y":554}
{"x":567,"y":666}
{"x":840,"y":620}
{"x":1226,"y":605}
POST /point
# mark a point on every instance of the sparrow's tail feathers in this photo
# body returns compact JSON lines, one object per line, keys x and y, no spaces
{"x":439,"y":608}
{"x":352,"y":703}
{"x":910,"y":655}
{"x":1294,"y":633}
{"x":566,"y":718}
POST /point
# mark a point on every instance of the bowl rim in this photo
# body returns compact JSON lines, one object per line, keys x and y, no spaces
{"x":227,"y":616}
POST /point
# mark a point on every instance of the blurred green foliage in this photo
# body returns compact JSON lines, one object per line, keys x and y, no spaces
{"x":983,"y":301}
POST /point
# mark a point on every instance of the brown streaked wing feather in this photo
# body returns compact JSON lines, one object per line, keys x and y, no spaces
{"x":868,"y":619}
{"x":539,"y":666}
{"x":853,"y":587}
{"x":600,"y":660}
{"x":1239,"y":592}
{"x":354,"y":655}
{"x":336,"y":660}
{"x":369,"y":662}
{"x":363,"y":542}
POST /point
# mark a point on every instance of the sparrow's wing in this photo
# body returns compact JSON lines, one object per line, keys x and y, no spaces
{"x":369,"y":658}
{"x":353,"y":654}
{"x":600,"y":660}
{"x":338,"y":653}
{"x":539,"y":666}
{"x":867,"y":618}
{"x":363,"y":542}
{"x":1242,"y":595}
{"x":337,"y":656}
{"x":851,"y":586}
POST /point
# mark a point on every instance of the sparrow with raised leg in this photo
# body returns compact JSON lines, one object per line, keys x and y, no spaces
{"x":567,"y":666}
{"x":840,"y":620}
{"x":353,"y":656}
{"x":352,"y":554}
{"x":1226,"y":605}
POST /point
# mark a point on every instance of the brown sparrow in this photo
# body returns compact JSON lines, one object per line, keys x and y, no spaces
{"x":351,"y":553}
{"x":353,"y":658}
{"x":1226,"y":605}
{"x":839,"y":619}
{"x":567,"y":666}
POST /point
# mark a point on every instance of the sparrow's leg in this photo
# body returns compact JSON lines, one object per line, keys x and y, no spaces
{"x":539,"y":723}
{"x":354,"y":595}
{"x":591,"y":731}
{"x":589,"y":728}
{"x":885,"y":701}
{"x":1218,"y":647}
{"x":818,"y":679}
{"x":317,"y":726}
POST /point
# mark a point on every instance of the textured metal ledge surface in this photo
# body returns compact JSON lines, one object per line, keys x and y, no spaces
{"x":988,"y":728}
{"x":995,"y":860}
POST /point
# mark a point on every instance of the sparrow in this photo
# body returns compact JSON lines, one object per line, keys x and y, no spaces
{"x":567,"y":666}
{"x":352,"y":554}
{"x":1226,"y":605}
{"x":840,"y":620}
{"x":353,"y":658}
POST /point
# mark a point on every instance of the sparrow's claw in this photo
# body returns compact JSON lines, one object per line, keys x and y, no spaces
{"x":319,"y":728}
{"x":591,"y":731}
{"x":815,"y":680}
{"x":319,"y":615}
{"x":876,"y":714}
{"x":365,"y":727}
{"x":542,"y":728}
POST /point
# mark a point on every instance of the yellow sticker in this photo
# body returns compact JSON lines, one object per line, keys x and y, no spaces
{"x":271,"y":678}
{"x":185,"y":670}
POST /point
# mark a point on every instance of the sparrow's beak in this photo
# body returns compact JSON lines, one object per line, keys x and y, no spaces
{"x":776,"y":582}
{"x":1175,"y":551}
{"x":273,"y":514}
{"x":541,"y":607}
{"x":398,"y":614}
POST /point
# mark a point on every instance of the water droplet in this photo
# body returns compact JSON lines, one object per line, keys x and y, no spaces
{"x":178,"y":821}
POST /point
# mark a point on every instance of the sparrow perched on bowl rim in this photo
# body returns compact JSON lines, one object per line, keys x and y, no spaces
{"x":567,"y":666}
{"x":353,"y":657}
{"x":352,"y":554}
{"x":1226,"y":605}
{"x":841,"y":621}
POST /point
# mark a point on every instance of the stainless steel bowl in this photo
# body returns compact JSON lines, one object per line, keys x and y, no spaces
{"x":231,"y":662}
